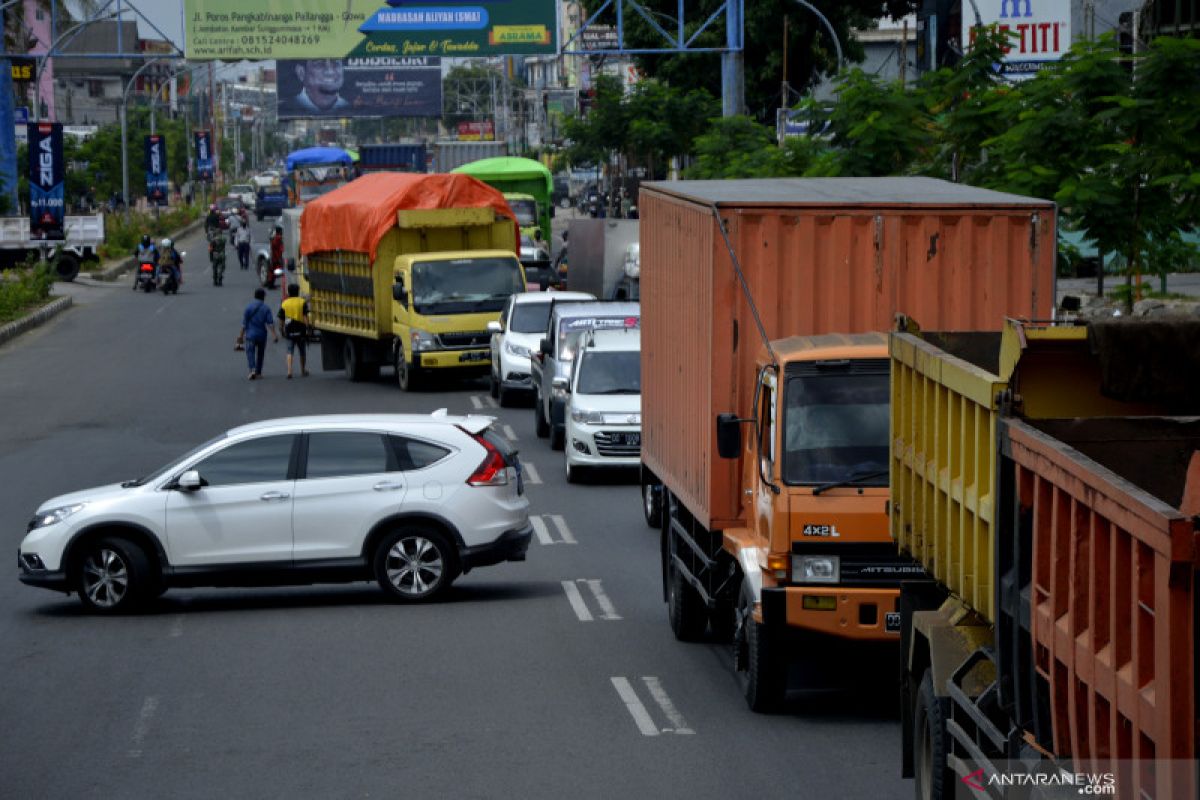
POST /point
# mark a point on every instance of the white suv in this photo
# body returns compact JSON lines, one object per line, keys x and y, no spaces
{"x":604,"y":403}
{"x":408,"y":500}
{"x":520,"y":329}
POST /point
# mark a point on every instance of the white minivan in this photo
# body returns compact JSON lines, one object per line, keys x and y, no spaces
{"x":604,"y":402}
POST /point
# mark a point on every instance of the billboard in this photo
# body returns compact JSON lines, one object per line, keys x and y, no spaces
{"x":1041,"y":31}
{"x":204,"y":155}
{"x":476,"y":131}
{"x":359,"y":87}
{"x":156,"y":169}
{"x":46,"y":187}
{"x":289,"y":29}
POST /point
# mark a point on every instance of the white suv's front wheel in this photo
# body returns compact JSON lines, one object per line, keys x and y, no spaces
{"x":413,"y":564}
{"x":114,"y":576}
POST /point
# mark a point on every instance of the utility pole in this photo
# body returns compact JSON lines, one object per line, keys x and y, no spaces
{"x":733,"y":78}
{"x":212,"y":123}
{"x":783,"y":89}
{"x":904,"y":53}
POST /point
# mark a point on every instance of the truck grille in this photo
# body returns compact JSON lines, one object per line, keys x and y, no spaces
{"x":866,"y":564}
{"x":464,"y":339}
{"x":618,"y":444}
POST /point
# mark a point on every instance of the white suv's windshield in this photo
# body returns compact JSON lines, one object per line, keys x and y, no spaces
{"x":610,"y":372}
{"x":836,"y":429}
{"x":465,"y":285}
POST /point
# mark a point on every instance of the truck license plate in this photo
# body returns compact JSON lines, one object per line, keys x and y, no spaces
{"x":891,"y":622}
{"x":468,"y":357}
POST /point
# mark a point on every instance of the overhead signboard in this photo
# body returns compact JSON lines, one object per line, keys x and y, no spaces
{"x":599,"y":37}
{"x":293,"y":29}
{"x":359,"y":87}
{"x":1040,"y":31}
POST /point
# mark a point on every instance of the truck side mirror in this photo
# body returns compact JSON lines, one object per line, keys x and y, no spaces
{"x":398,"y":293}
{"x":495,"y":327}
{"x":544,"y":348}
{"x":552,"y":210}
{"x":729,"y":435}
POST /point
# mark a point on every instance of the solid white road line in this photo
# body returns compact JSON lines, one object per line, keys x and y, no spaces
{"x":176,"y":627}
{"x":563,"y":530}
{"x":664,"y":702}
{"x":602,"y":600}
{"x":640,"y":715}
{"x":510,"y":433}
{"x":531,"y":473}
{"x":539,"y":528}
{"x":142,"y":727}
{"x":475,"y":401}
{"x":581,"y":609}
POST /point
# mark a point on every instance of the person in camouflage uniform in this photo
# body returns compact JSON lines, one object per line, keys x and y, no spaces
{"x":216,"y":255}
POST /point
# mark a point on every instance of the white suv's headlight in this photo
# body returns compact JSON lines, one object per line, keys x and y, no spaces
{"x":422,"y":340}
{"x":516,"y":350}
{"x":584,"y":417}
{"x":816,"y":569}
{"x":53,"y":515}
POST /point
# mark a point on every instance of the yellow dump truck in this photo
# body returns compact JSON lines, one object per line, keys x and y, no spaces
{"x":406,"y":271}
{"x":1046,"y":480}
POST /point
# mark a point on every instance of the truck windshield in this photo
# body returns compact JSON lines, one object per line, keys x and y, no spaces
{"x":836,"y":429}
{"x":526,"y":211}
{"x":530,"y":318}
{"x":613,"y":372}
{"x":464,"y":285}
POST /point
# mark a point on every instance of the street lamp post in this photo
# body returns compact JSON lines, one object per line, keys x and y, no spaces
{"x":40,"y":61}
{"x":125,"y":132}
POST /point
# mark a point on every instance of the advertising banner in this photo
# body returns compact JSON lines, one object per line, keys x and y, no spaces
{"x":204,"y":155}
{"x":46,"y":195}
{"x":156,"y":169}
{"x":359,"y":87}
{"x":1042,"y":31}
{"x":261,"y":29}
{"x":476,"y":131}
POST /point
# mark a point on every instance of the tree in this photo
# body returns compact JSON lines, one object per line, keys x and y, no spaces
{"x":877,"y":128}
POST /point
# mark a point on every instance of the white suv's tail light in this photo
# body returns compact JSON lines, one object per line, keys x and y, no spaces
{"x":493,"y":470}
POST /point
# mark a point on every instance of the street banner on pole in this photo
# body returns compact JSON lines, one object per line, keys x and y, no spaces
{"x":359,"y":87}
{"x":46,"y":189}
{"x":260,"y":29}
{"x":204,"y":155}
{"x":156,"y":169}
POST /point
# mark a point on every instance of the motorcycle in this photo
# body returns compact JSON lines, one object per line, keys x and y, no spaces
{"x":146,"y":279}
{"x":168,"y":279}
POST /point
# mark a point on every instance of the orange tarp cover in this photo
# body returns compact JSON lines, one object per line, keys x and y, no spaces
{"x":356,"y":216}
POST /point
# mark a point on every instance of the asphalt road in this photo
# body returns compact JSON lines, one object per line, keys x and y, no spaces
{"x":505,"y":689}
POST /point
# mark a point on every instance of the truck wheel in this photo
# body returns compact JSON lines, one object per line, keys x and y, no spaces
{"x":558,"y":437}
{"x":265,"y":276}
{"x":761,"y":673}
{"x":66,"y":266}
{"x":540,"y":426}
{"x":493,"y":385}
{"x":929,"y":743}
{"x":352,"y":356}
{"x":685,"y":608}
{"x":652,"y":504}
{"x":407,"y":377}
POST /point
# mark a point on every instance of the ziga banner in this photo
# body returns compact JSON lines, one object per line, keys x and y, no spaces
{"x":46,"y":187}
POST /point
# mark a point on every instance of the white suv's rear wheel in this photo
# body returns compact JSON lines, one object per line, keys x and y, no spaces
{"x":414,"y":564}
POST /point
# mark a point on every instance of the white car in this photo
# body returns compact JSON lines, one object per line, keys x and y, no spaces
{"x":521,"y":327}
{"x":604,"y":402}
{"x":410,"y":501}
{"x":243,"y":192}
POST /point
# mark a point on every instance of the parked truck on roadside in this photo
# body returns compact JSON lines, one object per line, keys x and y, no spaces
{"x":764,"y":306}
{"x":83,"y":235}
{"x":406,"y":271}
{"x":1056,"y":508}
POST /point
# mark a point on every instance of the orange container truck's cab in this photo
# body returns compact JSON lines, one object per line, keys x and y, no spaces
{"x":815,"y":557}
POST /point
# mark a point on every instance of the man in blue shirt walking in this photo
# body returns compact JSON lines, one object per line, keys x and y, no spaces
{"x":257,"y":320}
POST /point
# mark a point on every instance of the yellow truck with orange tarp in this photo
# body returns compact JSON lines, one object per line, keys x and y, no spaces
{"x":763,"y":307}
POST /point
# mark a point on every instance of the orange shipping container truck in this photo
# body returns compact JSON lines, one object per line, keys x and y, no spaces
{"x":763,"y":307}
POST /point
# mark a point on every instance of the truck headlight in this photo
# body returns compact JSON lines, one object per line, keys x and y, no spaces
{"x":53,"y":515}
{"x":816,"y":569}
{"x":422,"y":340}
{"x":582,"y":416}
{"x":516,"y":350}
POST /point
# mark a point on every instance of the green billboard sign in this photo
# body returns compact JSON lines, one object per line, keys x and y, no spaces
{"x":231,"y":30}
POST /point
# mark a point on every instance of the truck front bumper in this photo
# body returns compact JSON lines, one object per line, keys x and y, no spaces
{"x":862,"y":614}
{"x":471,"y":360}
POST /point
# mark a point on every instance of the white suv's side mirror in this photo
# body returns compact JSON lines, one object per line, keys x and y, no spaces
{"x":190,"y":481}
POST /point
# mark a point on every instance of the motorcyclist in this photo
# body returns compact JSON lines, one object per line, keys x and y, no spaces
{"x":276,"y":243}
{"x":213,"y":220}
{"x":169,"y":259}
{"x":145,"y":253}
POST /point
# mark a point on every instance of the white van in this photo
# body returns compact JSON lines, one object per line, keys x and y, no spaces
{"x":604,"y":402}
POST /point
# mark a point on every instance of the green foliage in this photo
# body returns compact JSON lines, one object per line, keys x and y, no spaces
{"x":737,"y":147}
{"x":878,"y":128}
{"x":24,"y":288}
{"x":122,"y":232}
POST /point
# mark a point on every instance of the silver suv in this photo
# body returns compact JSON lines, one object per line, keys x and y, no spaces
{"x":410,"y":501}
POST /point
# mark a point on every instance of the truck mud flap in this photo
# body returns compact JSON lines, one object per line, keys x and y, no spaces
{"x":332,"y":356}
